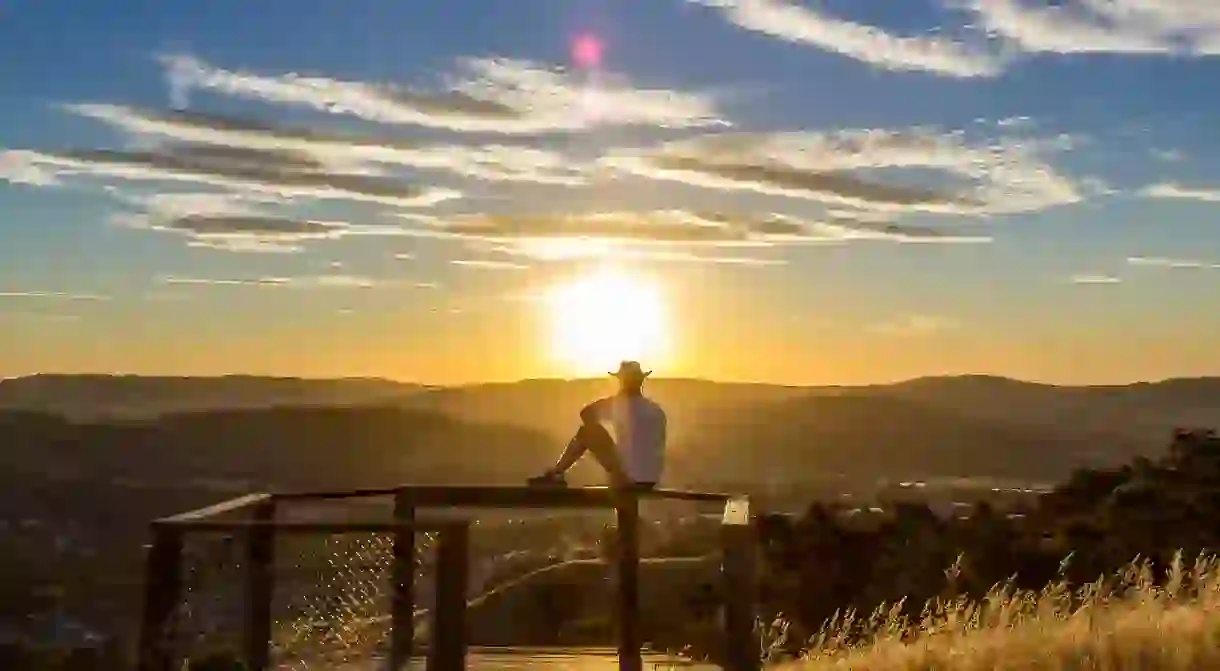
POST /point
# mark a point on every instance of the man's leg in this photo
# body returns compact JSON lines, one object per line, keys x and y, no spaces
{"x":591,"y":438}
{"x":601,"y":445}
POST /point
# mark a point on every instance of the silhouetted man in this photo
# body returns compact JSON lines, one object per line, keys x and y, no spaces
{"x":635,"y":456}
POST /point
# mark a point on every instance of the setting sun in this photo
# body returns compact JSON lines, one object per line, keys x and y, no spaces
{"x":599,"y":319}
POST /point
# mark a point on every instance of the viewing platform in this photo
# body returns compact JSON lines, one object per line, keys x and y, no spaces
{"x":251,"y":526}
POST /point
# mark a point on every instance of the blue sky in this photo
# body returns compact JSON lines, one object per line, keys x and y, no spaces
{"x":835,"y":192}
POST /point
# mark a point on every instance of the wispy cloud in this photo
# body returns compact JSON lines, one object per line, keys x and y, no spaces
{"x":915,"y":325}
{"x":994,"y":32}
{"x":268,"y":174}
{"x":1169,"y":190}
{"x":226,"y":221}
{"x":573,"y":250}
{"x":1169,"y":155}
{"x":317,"y":281}
{"x":21,"y":167}
{"x":805,"y":25}
{"x":1000,"y":178}
{"x":496,"y":162}
{"x":1015,"y":122}
{"x":489,"y":265}
{"x":484,"y":95}
{"x":1181,"y":27}
{"x":1165,"y":262}
{"x":1094,"y":279}
{"x":53,"y":295}
{"x":683,"y":227}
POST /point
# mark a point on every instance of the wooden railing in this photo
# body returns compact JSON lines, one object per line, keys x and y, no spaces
{"x":447,"y":650}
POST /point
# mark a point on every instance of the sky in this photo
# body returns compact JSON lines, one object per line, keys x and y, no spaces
{"x":833,"y":192}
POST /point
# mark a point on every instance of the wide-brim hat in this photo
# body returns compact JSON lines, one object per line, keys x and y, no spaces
{"x":631,"y":370}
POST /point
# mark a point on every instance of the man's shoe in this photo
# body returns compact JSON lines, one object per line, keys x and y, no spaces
{"x":548,"y":480}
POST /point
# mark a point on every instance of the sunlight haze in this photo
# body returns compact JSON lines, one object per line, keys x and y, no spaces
{"x":816,"y":193}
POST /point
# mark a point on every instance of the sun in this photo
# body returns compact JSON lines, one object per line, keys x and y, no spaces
{"x":602,"y":318}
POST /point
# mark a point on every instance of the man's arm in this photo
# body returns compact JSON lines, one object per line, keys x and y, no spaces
{"x":592,"y":413}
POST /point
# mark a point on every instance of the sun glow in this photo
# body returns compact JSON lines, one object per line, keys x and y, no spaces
{"x":600,"y":319}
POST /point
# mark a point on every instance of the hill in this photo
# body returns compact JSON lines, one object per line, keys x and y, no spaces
{"x":77,"y":496}
{"x":1125,"y":623}
{"x":1122,"y":420}
{"x":551,"y":406}
{"x":1139,"y":413}
{"x":88,"y":397}
{"x":881,"y":436}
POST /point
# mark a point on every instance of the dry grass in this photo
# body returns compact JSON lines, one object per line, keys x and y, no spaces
{"x":1124,"y":622}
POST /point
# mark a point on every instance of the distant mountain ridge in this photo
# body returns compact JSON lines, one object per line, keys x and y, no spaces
{"x":1005,"y":421}
{"x":131,"y":396}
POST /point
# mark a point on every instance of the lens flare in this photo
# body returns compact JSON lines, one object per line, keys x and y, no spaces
{"x":587,"y":50}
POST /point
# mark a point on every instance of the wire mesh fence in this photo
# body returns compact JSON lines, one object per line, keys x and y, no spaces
{"x":536,"y":579}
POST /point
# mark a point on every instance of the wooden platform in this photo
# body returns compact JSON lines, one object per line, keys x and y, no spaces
{"x":546,"y":659}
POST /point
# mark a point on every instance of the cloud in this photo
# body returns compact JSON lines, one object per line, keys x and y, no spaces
{"x":1164,"y":262}
{"x":21,"y":167}
{"x":1169,"y":190}
{"x":1015,"y":122}
{"x":992,"y":179}
{"x":257,"y":172}
{"x":319,"y":150}
{"x":317,"y":281}
{"x":227,"y":222}
{"x":199,"y":281}
{"x":911,"y":326}
{"x":489,"y":265}
{"x":1169,"y":155}
{"x":994,"y":32}
{"x":552,"y":250}
{"x":681,"y":227}
{"x":805,"y":25}
{"x":1180,"y":27}
{"x":484,"y":95}
{"x":1094,"y":279}
{"x":53,"y":295}
{"x":234,"y":222}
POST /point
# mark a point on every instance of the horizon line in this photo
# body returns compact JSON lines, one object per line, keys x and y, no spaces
{"x":511,"y":381}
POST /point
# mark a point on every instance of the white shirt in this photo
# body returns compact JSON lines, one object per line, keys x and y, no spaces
{"x":638,"y":425}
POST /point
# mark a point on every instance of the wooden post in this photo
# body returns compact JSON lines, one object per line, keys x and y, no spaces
{"x":628,"y":582}
{"x":739,"y":570}
{"x":402,"y":585}
{"x":447,"y":651}
{"x":162,"y":582}
{"x":260,"y":581}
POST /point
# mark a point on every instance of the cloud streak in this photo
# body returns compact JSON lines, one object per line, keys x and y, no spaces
{"x":21,"y":167}
{"x":485,"y":95}
{"x":805,"y":25}
{"x":1094,"y":279}
{"x":266,"y":174}
{"x":488,"y":265}
{"x":1178,"y":27}
{"x":999,"y":178}
{"x":494,"y":162}
{"x":318,"y":281}
{"x":683,"y":227}
{"x":53,"y":295}
{"x":1171,"y":191}
{"x":1165,"y":262}
{"x":234,"y":222}
{"x":993,"y":33}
